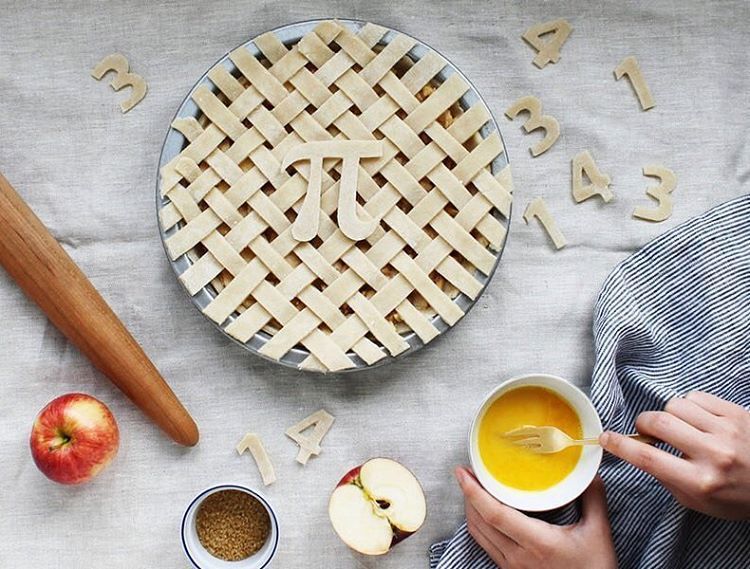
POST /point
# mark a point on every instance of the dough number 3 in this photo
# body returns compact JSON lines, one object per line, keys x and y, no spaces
{"x":536,"y":120}
{"x":123,"y":78}
{"x":661,"y":193}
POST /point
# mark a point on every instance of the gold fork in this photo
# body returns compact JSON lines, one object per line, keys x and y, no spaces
{"x":547,"y":440}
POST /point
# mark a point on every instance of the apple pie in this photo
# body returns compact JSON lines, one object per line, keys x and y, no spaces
{"x":336,"y":195}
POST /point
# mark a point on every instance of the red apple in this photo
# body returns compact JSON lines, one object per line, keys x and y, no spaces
{"x":376,"y":505}
{"x":73,"y":438}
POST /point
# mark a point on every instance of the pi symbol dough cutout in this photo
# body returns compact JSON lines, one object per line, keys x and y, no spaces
{"x":350,"y":152}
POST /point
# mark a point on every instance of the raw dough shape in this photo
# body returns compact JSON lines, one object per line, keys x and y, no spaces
{"x":629,"y":66}
{"x":252,"y":442}
{"x":119,"y":64}
{"x":350,"y":152}
{"x":537,"y":208}
{"x":661,"y":193}
{"x":309,"y":445}
{"x":583,"y":163}
{"x":549,"y":50}
{"x":536,"y":120}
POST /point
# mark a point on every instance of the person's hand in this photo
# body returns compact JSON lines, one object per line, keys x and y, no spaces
{"x":713,"y":474}
{"x":515,"y":541}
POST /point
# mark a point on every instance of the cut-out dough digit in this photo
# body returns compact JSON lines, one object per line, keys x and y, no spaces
{"x":252,"y":442}
{"x":549,"y":50}
{"x":119,"y":64}
{"x":661,"y":193}
{"x":536,"y":120}
{"x":537,"y":208}
{"x":309,"y":445}
{"x":629,"y":66}
{"x":583,"y":163}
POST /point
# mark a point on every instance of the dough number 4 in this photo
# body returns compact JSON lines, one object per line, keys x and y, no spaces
{"x":583,"y":164}
{"x":549,"y":50}
{"x":123,"y":78}
{"x":533,"y":106}
{"x":320,"y":422}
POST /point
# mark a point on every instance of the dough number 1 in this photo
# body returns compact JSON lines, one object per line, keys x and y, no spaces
{"x":629,"y":67}
{"x":537,"y":208}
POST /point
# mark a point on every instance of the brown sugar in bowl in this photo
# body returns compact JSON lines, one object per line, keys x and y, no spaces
{"x":230,"y":525}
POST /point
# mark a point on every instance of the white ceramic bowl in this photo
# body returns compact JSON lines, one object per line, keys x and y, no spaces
{"x":572,"y":485}
{"x":202,"y":559}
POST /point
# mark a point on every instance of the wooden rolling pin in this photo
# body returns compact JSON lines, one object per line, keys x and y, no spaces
{"x":50,"y":278}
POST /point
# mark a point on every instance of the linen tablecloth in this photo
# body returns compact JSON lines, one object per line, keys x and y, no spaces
{"x":90,"y":173}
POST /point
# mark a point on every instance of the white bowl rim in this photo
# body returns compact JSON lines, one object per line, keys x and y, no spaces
{"x":230,"y":486}
{"x":585,"y":470}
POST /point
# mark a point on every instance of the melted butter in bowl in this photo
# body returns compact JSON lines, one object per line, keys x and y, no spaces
{"x":515,"y":475}
{"x":517,"y":466}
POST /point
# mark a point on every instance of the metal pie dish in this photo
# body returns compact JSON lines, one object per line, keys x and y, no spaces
{"x":175,"y":142}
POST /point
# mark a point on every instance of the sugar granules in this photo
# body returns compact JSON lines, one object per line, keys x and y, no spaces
{"x":232,"y":525}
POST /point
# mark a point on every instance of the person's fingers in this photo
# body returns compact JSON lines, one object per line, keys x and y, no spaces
{"x":485,"y":543}
{"x":713,"y":404}
{"x":460,"y":470}
{"x":692,"y":413}
{"x":501,"y":541}
{"x":673,"y":430}
{"x":519,"y":527}
{"x":661,"y":465}
{"x":594,"y":505}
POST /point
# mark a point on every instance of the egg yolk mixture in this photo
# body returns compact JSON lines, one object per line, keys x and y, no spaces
{"x":514,"y":465}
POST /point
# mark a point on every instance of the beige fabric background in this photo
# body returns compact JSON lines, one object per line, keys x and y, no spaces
{"x":90,"y":173}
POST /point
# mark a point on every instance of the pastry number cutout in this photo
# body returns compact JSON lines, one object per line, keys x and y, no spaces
{"x":661,"y":193}
{"x":350,"y":152}
{"x":309,"y":445}
{"x":123,"y":78}
{"x":537,"y":208}
{"x":629,"y":66}
{"x":252,"y":442}
{"x":583,"y":163}
{"x":533,"y":106}
{"x":549,"y":51}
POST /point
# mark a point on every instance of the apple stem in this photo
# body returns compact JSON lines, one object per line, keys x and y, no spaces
{"x":59,"y":441}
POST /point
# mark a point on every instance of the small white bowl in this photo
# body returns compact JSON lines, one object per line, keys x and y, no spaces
{"x":202,"y":559}
{"x":572,"y":485}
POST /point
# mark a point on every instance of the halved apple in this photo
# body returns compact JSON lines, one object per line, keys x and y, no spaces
{"x":376,"y":505}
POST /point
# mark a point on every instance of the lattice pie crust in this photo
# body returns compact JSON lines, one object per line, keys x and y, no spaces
{"x":440,"y":210}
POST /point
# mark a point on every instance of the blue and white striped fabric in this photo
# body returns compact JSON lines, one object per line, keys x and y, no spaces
{"x":672,"y":318}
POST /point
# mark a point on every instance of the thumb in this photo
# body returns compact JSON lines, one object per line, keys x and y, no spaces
{"x":594,"y":505}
